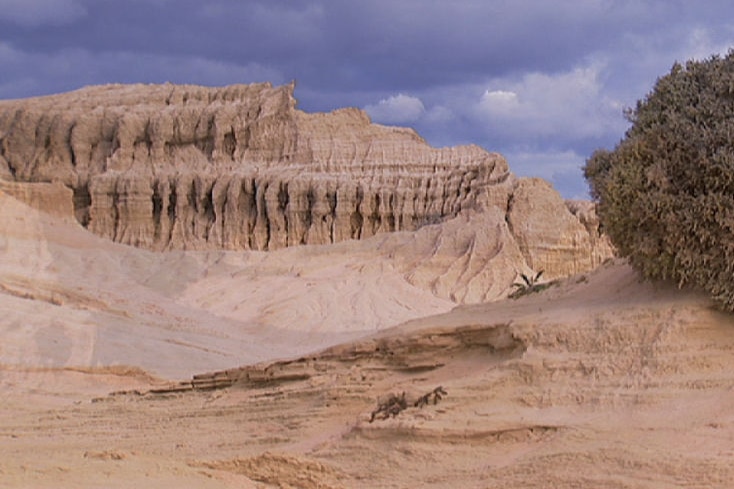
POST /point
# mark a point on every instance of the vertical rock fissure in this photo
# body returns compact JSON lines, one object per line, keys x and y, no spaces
{"x":194,"y":206}
{"x":115,"y":214}
{"x":310,"y":199}
{"x":208,"y":211}
{"x":171,"y":212}
{"x":508,"y":210}
{"x":356,"y":220}
{"x":157,"y":210}
{"x":283,"y":200}
{"x":82,"y":202}
{"x":229,"y":144}
{"x":331,"y":199}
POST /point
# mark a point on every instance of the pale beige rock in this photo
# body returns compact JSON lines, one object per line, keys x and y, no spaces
{"x":550,"y":236}
{"x":602,"y":380}
{"x":164,"y":166}
{"x":585,"y":211}
{"x":52,"y":198}
{"x":240,"y":168}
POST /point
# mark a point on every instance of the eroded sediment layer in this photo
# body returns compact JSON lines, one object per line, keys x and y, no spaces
{"x":165,"y":166}
{"x":604,"y":382}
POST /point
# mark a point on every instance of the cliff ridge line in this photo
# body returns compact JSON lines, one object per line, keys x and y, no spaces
{"x":239,"y":167}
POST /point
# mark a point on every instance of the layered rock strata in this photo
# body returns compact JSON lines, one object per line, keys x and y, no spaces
{"x":237,"y":168}
{"x":52,"y":198}
{"x":188,"y":167}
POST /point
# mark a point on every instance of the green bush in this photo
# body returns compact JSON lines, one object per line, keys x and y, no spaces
{"x":666,"y":192}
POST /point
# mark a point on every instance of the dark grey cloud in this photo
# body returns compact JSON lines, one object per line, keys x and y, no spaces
{"x":377,"y":45}
{"x":542,"y":82}
{"x":35,"y":13}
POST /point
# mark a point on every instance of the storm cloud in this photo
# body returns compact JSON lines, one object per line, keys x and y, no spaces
{"x":544,"y":83}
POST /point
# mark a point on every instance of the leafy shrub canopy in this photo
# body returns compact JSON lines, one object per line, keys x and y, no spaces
{"x":666,"y":192}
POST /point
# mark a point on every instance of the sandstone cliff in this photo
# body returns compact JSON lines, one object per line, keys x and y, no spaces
{"x":239,"y":167}
{"x":188,"y":167}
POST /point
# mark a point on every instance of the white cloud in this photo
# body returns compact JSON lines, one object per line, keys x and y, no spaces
{"x":570,"y":105}
{"x":500,"y":103}
{"x":34,"y":13}
{"x":398,"y":109}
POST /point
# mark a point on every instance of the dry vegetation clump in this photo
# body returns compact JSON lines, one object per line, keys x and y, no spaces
{"x":666,"y":192}
{"x":396,"y":403}
{"x":435,"y":395}
{"x":390,"y":407}
{"x":530,"y":284}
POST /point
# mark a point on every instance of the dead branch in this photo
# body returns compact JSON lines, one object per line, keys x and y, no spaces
{"x":437,"y":394}
{"x":397,"y":403}
{"x":391,"y":407}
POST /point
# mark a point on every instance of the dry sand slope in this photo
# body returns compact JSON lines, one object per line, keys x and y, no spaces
{"x":600,"y":381}
{"x":71,"y":299}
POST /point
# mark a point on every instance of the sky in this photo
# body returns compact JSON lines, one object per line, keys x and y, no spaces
{"x":543,"y":82}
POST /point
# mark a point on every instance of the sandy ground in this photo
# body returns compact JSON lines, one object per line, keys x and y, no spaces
{"x":600,"y":381}
{"x":69,"y":298}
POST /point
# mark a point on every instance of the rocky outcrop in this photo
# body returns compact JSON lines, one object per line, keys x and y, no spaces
{"x":187,"y":167}
{"x":551,"y":232}
{"x":238,"y":168}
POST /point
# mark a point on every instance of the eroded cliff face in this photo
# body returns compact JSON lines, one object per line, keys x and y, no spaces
{"x":188,"y":167}
{"x":551,"y":233}
{"x":169,"y":166}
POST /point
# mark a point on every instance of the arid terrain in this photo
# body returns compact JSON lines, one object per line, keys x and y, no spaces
{"x":599,"y":381}
{"x":388,"y":358}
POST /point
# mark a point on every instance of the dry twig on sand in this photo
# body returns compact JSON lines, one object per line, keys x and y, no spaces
{"x":391,"y":407}
{"x":437,"y":394}
{"x":394,"y":404}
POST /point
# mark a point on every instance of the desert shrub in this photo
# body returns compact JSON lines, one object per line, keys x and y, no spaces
{"x":666,"y":192}
{"x":529,"y":285}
